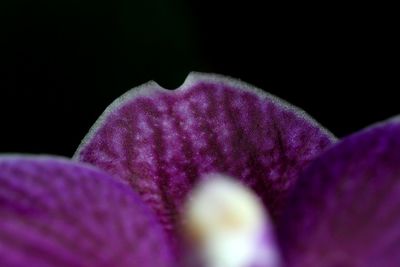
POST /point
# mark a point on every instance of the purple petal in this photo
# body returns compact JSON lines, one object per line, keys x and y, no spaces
{"x":58,"y":213}
{"x":345,"y":210}
{"x":161,"y":142}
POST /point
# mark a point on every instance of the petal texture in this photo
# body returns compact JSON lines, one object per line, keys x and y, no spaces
{"x":345,"y":210}
{"x":58,"y":213}
{"x":161,"y":142}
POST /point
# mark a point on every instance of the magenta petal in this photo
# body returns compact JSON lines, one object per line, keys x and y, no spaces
{"x":161,"y":142}
{"x":345,"y":210}
{"x":58,"y":213}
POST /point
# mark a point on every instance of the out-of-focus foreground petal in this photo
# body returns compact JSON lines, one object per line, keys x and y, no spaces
{"x":345,"y":210}
{"x":54,"y":212}
{"x":161,"y":141}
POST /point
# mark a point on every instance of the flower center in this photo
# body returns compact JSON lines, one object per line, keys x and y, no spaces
{"x":227,"y":225}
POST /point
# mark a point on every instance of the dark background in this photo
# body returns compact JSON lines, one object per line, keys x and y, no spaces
{"x":62,"y":62}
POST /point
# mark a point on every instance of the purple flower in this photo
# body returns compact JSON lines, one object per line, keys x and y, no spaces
{"x":150,"y":173}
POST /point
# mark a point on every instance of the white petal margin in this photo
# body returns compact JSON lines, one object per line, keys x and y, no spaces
{"x":192,"y":79}
{"x":227,"y":225}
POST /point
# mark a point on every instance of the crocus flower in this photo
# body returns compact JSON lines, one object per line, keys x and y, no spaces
{"x":163,"y":168}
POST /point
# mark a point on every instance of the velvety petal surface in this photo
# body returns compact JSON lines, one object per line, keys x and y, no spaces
{"x":161,"y":141}
{"x":54,"y":212}
{"x":345,"y":210}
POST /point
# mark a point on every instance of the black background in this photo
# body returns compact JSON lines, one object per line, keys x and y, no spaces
{"x":62,"y":62}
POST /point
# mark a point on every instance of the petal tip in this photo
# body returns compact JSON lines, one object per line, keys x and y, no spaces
{"x":192,"y":79}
